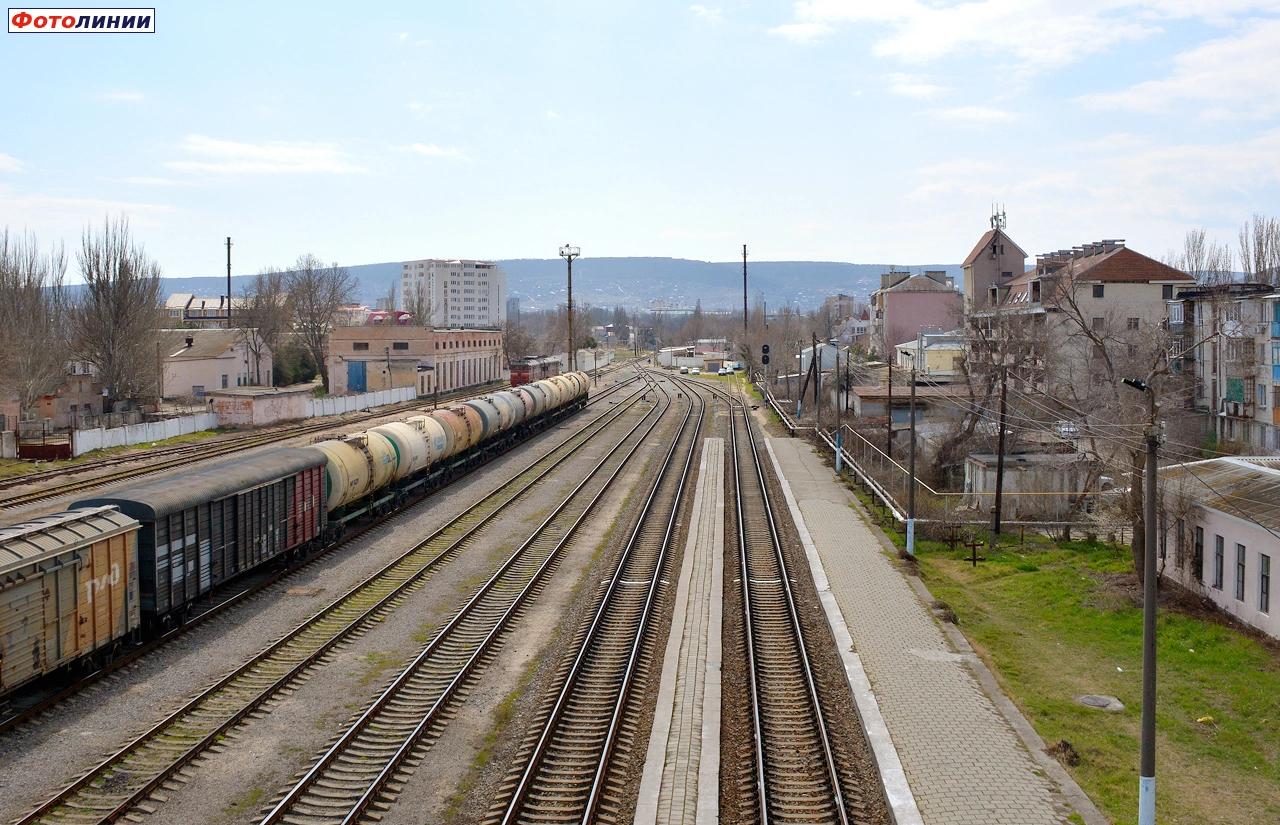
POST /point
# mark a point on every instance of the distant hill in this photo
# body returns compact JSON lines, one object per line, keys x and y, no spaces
{"x":638,"y":282}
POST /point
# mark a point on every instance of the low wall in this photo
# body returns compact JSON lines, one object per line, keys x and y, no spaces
{"x":338,"y":404}
{"x":83,"y":441}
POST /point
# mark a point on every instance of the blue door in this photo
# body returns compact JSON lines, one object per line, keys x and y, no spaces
{"x":356,"y":376}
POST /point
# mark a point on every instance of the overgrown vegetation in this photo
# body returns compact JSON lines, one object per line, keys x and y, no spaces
{"x":1059,"y":620}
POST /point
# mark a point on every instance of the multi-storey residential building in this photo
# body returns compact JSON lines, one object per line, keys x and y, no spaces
{"x":905,"y":304}
{"x":1232,"y":332}
{"x":459,"y":293}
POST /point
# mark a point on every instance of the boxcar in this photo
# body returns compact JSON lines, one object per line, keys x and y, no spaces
{"x":528,"y":370}
{"x":207,"y":526}
{"x":68,"y":591}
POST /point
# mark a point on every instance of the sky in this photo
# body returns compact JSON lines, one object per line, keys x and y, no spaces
{"x":852,"y":130}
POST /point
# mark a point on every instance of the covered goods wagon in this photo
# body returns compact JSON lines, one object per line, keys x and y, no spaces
{"x":203,"y":527}
{"x":68,"y":591}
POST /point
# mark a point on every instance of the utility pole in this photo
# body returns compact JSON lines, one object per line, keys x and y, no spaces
{"x":995,"y":511}
{"x":911,"y":482}
{"x":228,"y":282}
{"x":569,"y":253}
{"x":888,"y":411}
{"x":1147,"y":766}
{"x":744,"y":292}
{"x":817,"y":378}
{"x":839,"y":414}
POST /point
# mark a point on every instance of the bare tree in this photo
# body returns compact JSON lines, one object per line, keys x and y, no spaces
{"x":33,"y":329}
{"x":1208,"y":261}
{"x":1260,"y":249}
{"x":316,"y":292}
{"x":417,"y":302}
{"x":263,"y":318}
{"x":115,"y":321}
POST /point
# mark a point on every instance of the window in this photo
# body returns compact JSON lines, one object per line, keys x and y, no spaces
{"x":1098,"y":324}
{"x":400,"y":345}
{"x":1099,"y":290}
{"x":1218,"y":553}
{"x":1198,"y":558}
{"x":1132,"y":323}
{"x":1240,"y":572}
{"x":1264,"y":582}
{"x":359,"y":346}
{"x":224,"y":382}
{"x":1166,"y":292}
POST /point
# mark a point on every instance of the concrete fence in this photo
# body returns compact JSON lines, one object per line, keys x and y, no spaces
{"x":338,"y":404}
{"x":83,"y":441}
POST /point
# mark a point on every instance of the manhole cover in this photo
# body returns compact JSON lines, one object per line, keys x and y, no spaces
{"x":1110,"y":703}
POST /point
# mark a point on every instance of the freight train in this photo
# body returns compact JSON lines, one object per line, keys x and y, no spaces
{"x":123,"y":566}
{"x":526,"y":370}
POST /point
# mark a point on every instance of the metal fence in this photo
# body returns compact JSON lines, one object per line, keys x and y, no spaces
{"x":98,"y":438}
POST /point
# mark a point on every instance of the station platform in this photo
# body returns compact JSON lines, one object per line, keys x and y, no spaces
{"x":681,"y":778}
{"x":947,"y":750}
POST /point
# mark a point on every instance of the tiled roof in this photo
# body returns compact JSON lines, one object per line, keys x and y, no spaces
{"x":919,"y":283}
{"x":205,"y":343}
{"x":1119,"y":265}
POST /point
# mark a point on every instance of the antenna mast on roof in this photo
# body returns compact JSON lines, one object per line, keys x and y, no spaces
{"x":998,"y":218}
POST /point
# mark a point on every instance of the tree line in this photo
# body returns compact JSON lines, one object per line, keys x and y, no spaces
{"x":111,"y":321}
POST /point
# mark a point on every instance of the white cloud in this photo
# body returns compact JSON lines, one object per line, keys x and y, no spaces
{"x":915,"y":86}
{"x":144,"y":180}
{"x":8,"y":163}
{"x":416,"y":106}
{"x":1230,"y":76}
{"x":709,"y":14}
{"x":122,"y":97}
{"x":1035,"y":34}
{"x":975,"y":115}
{"x":215,"y":156}
{"x":551,"y":114}
{"x":431,"y":150}
{"x":804,"y":32}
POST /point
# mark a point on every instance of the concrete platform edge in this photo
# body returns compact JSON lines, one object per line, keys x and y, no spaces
{"x":893,"y":779}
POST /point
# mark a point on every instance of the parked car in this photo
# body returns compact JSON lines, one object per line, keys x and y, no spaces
{"x":723,"y":371}
{"x":695,"y":371}
{"x":684,"y":370}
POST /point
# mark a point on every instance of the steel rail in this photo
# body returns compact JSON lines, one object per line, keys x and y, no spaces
{"x":362,"y":618}
{"x":297,"y":793}
{"x":811,"y":689}
{"x":553,"y":721}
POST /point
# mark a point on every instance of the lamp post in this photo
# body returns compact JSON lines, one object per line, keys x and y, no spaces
{"x":569,"y":253}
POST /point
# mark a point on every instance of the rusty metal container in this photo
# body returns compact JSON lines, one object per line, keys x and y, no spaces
{"x":68,"y":589}
{"x":490,"y":417}
{"x":458,"y":427}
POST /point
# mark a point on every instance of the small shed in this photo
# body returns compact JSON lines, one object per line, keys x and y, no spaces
{"x":1037,"y":486}
{"x":245,"y":407}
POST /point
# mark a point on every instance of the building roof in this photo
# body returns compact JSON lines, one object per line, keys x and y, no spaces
{"x":1097,"y":262}
{"x":918,"y":283}
{"x":178,"y":300}
{"x":255,"y":392}
{"x":1245,"y":487}
{"x":147,"y":500}
{"x":205,"y":343}
{"x":49,"y":536}
{"x":985,"y":241}
{"x":1013,"y":460}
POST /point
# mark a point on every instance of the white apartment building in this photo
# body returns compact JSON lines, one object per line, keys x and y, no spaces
{"x":458,"y":293}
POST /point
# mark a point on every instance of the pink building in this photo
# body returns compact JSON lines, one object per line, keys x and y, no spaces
{"x":906,"y":304}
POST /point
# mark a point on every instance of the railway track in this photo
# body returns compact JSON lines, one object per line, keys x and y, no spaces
{"x":20,"y":708}
{"x":121,"y":783}
{"x":796,"y":775}
{"x":361,"y":769}
{"x":180,"y":456}
{"x":572,"y":772}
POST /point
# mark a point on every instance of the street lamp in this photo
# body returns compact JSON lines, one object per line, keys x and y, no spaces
{"x":569,"y":253}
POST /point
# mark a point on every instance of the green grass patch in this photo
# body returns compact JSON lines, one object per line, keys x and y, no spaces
{"x":12,"y":467}
{"x":1058,"y":620}
{"x":248,"y":801}
{"x":375,"y":664}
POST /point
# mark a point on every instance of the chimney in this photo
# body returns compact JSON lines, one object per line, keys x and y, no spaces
{"x":190,"y":341}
